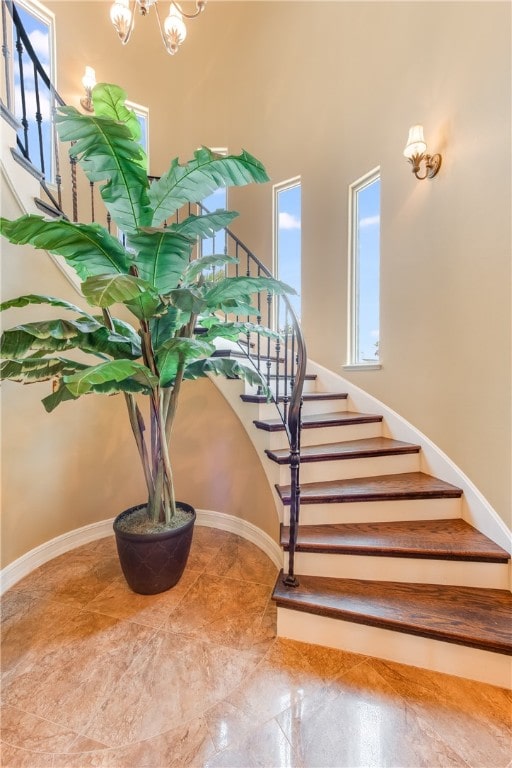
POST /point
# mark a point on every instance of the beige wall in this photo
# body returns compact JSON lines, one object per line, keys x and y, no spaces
{"x":328,"y":91}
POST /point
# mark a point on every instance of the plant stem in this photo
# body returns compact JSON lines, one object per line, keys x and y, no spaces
{"x":136,"y":422}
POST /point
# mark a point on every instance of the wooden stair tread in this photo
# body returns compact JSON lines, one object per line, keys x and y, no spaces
{"x":479,"y":618}
{"x":307,"y":397}
{"x":350,"y":449}
{"x":436,"y":539}
{"x":321,"y":420}
{"x":408,"y":485}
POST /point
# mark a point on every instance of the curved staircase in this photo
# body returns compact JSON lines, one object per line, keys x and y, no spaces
{"x":386,"y":565}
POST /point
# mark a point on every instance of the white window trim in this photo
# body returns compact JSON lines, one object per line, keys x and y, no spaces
{"x":142,"y":111}
{"x":295,"y":181}
{"x":353,"y":294}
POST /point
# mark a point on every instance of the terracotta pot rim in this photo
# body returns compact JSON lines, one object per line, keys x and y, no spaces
{"x":159,"y":535}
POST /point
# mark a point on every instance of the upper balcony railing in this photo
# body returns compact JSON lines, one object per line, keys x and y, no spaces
{"x":280,"y":362}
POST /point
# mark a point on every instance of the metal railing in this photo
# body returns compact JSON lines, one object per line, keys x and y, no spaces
{"x":281,"y":362}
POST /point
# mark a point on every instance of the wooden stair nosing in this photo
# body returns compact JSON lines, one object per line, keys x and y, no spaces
{"x":470,"y":616}
{"x":451,"y":539}
{"x":369,"y":447}
{"x":315,"y":421}
{"x":407,"y":485}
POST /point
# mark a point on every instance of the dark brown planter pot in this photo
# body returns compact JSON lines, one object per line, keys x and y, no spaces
{"x":154,"y":562}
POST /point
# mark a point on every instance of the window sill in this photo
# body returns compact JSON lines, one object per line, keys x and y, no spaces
{"x":362,"y":367}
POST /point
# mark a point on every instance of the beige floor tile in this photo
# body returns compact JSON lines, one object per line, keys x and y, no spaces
{"x":189,"y":745}
{"x":474,"y":718}
{"x":227,"y":611}
{"x":173,"y":680}
{"x":14,"y":757}
{"x":364,"y":725}
{"x":71,"y":678}
{"x":265,"y":746}
{"x":287,"y":676}
{"x":119,"y":601}
{"x":206,"y":542}
{"x":24,"y":731}
{"x":239,"y":559}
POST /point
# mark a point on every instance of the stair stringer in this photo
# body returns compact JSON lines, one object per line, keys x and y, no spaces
{"x":475,"y":509}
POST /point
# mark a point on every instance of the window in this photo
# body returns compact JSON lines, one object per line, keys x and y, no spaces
{"x":287,"y":241}
{"x":38,"y":24}
{"x":218,"y":200}
{"x":364,"y":270}
{"x":142,"y":114}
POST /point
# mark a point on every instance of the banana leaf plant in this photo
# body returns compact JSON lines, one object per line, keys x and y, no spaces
{"x":179,"y":304}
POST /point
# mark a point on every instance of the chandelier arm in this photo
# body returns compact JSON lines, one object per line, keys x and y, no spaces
{"x":132,"y":22}
{"x":200,"y":4}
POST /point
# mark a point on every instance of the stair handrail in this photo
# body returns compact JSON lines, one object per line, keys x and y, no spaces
{"x":291,"y":367}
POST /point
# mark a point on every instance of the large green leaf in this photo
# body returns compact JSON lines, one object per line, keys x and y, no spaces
{"x":177,"y":351}
{"x":108,"y":377}
{"x":49,"y":336}
{"x":36,"y":298}
{"x":31,"y":369}
{"x":105,"y":290}
{"x":240,"y":307}
{"x":241,"y":287}
{"x":206,"y":263}
{"x":206,"y":225}
{"x":109,"y":101}
{"x":233,"y":330}
{"x":188,"y":300}
{"x":161,"y":257}
{"x":222,"y":366}
{"x":200,"y":177}
{"x":88,"y":248}
{"x":60,"y":395}
{"x":107,"y":152}
{"x":163,"y":328}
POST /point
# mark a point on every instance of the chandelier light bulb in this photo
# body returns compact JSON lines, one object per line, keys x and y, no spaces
{"x":122,"y":19}
{"x":174,"y":29}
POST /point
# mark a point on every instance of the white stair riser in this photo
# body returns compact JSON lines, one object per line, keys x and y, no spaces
{"x":402,"y":569}
{"x":437,"y":655}
{"x":376,"y":511}
{"x":343,"y":469}
{"x":309,"y":386}
{"x":310,"y":407}
{"x":324,"y":435}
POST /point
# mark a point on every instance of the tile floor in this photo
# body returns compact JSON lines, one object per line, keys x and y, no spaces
{"x":94,"y":675}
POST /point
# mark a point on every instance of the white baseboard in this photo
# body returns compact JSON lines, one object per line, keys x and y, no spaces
{"x":28,"y":562}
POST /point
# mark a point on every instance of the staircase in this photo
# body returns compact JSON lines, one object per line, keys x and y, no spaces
{"x":386,"y":565}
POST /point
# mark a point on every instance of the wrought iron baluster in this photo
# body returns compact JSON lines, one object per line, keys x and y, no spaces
{"x":39,"y":120}
{"x":23,"y":120}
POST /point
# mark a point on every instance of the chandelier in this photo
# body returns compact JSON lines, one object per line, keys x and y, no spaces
{"x":172,"y":29}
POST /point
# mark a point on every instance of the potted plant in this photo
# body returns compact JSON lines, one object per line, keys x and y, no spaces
{"x":181,"y":305}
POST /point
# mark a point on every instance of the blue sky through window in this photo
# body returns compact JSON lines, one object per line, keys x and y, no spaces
{"x":368,"y":271}
{"x":288,"y":241}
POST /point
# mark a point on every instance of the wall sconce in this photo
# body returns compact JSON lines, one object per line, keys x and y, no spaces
{"x":415,"y":152}
{"x":88,"y":82}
